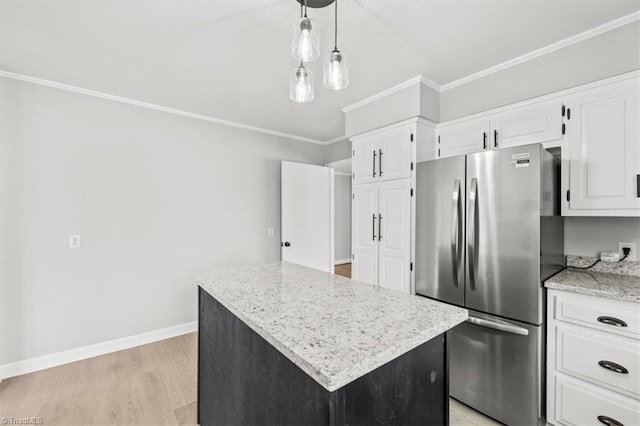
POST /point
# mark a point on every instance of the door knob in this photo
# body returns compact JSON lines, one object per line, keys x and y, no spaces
{"x":287,"y":244}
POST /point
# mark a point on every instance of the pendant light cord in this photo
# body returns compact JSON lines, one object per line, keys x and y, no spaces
{"x":305,"y":8}
{"x":335,"y":47}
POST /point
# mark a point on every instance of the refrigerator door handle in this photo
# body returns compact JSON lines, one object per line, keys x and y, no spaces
{"x":508,"y":328}
{"x":456,"y":232}
{"x":472,"y":237}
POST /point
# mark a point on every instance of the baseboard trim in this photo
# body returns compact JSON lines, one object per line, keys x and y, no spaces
{"x":19,"y":368}
{"x":341,"y":261}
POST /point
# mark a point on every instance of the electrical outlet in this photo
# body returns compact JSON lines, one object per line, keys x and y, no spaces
{"x":632,"y":255}
{"x":74,"y":241}
{"x":270,"y":232}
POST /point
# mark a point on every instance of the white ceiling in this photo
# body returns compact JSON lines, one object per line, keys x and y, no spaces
{"x":231,"y":59}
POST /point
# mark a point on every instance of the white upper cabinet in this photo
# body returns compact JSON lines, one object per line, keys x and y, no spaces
{"x":383,"y":155}
{"x":603,"y":152}
{"x":537,"y":123}
{"x":463,"y":138}
{"x":364,"y":162}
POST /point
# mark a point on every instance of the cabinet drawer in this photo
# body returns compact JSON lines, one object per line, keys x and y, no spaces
{"x":595,"y":356}
{"x":578,"y":403}
{"x":612,"y":316}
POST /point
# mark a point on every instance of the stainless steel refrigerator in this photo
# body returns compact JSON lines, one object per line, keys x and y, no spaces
{"x":488,"y":232}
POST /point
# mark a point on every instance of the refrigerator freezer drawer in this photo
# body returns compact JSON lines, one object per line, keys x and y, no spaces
{"x":496,"y":367}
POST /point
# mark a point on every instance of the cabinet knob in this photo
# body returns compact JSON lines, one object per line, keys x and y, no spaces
{"x":287,"y":244}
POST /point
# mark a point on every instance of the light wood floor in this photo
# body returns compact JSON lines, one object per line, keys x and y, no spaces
{"x":153,"y":384}
{"x":344,"y":270}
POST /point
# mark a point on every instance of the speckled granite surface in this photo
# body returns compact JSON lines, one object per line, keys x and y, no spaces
{"x":611,"y":286}
{"x":333,"y":328}
{"x":621,"y":268}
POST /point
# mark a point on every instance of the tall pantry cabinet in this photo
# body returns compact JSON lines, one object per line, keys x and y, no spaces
{"x":383,"y":163}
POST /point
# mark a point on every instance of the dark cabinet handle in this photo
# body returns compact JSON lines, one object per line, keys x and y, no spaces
{"x":612,"y":321}
{"x":616,"y":368}
{"x":287,"y":244}
{"x":374,"y":162}
{"x":484,"y":140}
{"x":605,"y":420}
{"x":380,"y":161}
{"x":379,"y":227}
{"x":495,"y":138}
{"x":373,"y":227}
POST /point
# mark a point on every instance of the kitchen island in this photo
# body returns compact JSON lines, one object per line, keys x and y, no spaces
{"x":286,"y":344}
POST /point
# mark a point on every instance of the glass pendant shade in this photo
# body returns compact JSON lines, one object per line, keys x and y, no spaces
{"x":336,"y":71}
{"x":305,"y":44}
{"x":301,"y":84}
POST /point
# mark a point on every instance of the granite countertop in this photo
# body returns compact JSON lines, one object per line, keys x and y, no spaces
{"x":333,"y":328}
{"x":602,"y":284}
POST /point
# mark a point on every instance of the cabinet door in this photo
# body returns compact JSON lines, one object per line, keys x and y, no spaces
{"x":364,"y":231}
{"x":463,"y":138}
{"x":604,"y":158}
{"x":365,"y":162}
{"x":394,"y":153}
{"x":533,"y":124}
{"x":395,"y":235}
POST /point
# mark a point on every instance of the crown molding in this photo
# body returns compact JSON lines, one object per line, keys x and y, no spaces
{"x":415,"y":80}
{"x":609,"y":26}
{"x":147,"y":105}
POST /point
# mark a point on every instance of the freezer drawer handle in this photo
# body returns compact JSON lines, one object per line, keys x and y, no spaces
{"x":605,"y":420}
{"x":616,"y":368}
{"x":513,"y":329}
{"x":456,"y":232}
{"x":612,"y":321}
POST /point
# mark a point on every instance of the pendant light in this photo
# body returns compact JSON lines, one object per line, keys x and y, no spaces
{"x":336,"y":71}
{"x":305,"y":44}
{"x":301,"y":84}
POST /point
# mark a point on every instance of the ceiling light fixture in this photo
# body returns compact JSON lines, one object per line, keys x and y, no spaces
{"x":305,"y":42}
{"x":301,"y":84}
{"x":305,"y":48}
{"x":336,"y":71}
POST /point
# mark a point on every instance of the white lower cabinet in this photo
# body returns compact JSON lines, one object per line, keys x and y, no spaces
{"x":381,"y":234}
{"x":593,"y":360}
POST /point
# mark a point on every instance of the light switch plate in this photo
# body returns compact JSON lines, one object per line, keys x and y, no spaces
{"x":74,"y":241}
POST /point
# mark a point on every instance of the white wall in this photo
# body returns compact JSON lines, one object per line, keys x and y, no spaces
{"x":608,"y":54}
{"x":588,"y":236}
{"x":343,"y":216}
{"x":154,"y":197}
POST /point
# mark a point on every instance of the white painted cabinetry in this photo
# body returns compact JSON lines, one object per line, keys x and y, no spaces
{"x":383,"y":207}
{"x":537,"y":123}
{"x":364,"y":217}
{"x":603,"y":151}
{"x":394,"y":235}
{"x":385,"y":155}
{"x":463,"y":138}
{"x":593,"y":360}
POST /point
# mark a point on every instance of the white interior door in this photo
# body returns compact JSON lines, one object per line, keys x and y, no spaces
{"x":394,"y":236}
{"x":364,"y":231}
{"x":307,"y":215}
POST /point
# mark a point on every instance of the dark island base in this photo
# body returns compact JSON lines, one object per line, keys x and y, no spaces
{"x":244,"y":380}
